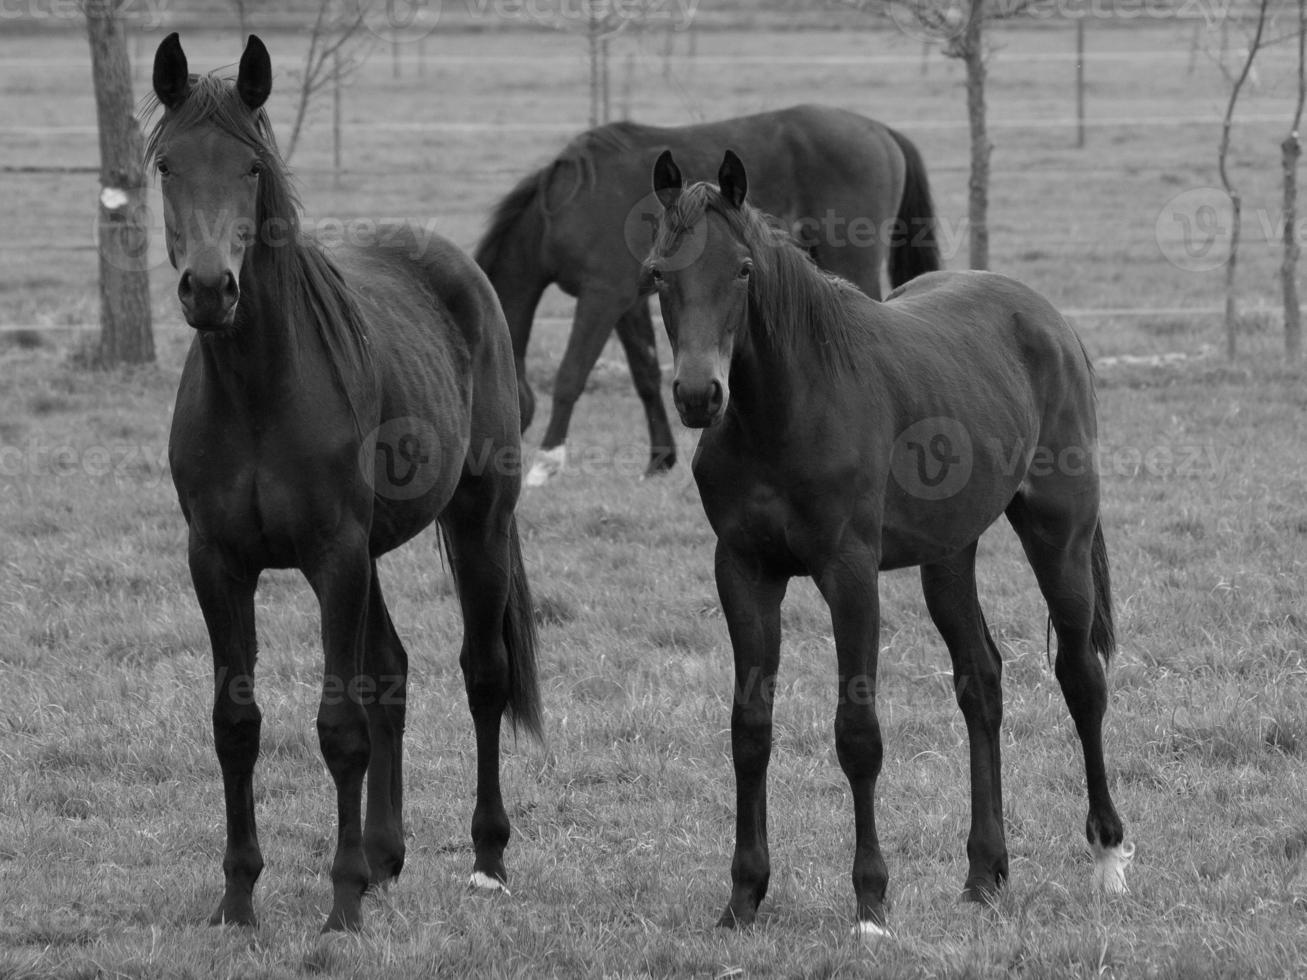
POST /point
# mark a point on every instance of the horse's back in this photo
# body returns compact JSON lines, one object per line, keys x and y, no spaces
{"x":999,"y":322}
{"x":823,"y":171}
{"x":1020,"y":374}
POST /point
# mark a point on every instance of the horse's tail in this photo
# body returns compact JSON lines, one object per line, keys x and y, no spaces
{"x":1102,"y":634}
{"x":524,"y":710}
{"x":914,"y":248}
{"x":523,"y":707}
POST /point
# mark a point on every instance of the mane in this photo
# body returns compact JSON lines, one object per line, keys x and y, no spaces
{"x":311,"y":290}
{"x":504,"y":219}
{"x":797,"y":304}
{"x":531,"y":190}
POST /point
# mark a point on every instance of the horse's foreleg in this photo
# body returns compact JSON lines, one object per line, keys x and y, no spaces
{"x":597,"y":311}
{"x":751,"y":601}
{"x":386,"y":665}
{"x":950,"y":590}
{"x":227,"y":602}
{"x":635,"y":331}
{"x":341,"y":579}
{"x":850,"y":589}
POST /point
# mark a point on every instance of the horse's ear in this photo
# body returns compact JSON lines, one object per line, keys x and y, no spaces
{"x":172,"y":80}
{"x":667,"y":179}
{"x":731,"y":179}
{"x":254,"y":81}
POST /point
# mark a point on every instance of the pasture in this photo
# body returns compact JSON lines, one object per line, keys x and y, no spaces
{"x":111,"y":813}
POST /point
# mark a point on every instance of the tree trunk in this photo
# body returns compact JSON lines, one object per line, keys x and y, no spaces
{"x":1291,"y":150}
{"x":122,"y":226}
{"x":1231,"y":306}
{"x":973,"y":56}
{"x":1236,"y":199}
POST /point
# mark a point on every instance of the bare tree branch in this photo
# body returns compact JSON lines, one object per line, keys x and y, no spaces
{"x":1236,"y":199}
{"x":335,"y":52}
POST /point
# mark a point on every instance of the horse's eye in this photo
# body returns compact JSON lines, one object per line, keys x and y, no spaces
{"x":256,"y":168}
{"x":162,"y":167}
{"x":656,"y":275}
{"x":746,"y":270}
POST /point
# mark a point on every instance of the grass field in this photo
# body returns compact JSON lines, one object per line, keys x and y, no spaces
{"x":111,"y":815}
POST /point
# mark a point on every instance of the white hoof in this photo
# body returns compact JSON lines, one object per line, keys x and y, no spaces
{"x":870,"y":931}
{"x":1109,"y":867}
{"x":548,"y":464}
{"x":482,"y":882}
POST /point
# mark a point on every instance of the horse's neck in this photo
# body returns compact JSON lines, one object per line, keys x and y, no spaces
{"x":519,"y":282}
{"x":764,"y":383}
{"x":256,"y":365}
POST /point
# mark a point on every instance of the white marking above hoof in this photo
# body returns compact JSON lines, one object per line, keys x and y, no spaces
{"x":483,"y":882}
{"x":548,"y":464}
{"x":1109,"y":867}
{"x":870,"y":931}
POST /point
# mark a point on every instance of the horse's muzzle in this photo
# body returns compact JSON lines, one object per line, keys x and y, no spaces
{"x":699,"y":405}
{"x":209,"y":302}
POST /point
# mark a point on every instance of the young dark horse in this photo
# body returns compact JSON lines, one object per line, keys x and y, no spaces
{"x":330,"y":409}
{"x":843,"y":436}
{"x":852,"y":190}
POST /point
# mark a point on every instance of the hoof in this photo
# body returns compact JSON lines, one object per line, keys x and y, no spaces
{"x":548,"y":464}
{"x":869,"y":931}
{"x":659,"y":464}
{"x":1109,"y":867}
{"x":730,"y":920}
{"x":240,"y":913}
{"x":487,"y":884}
{"x":980,"y":892}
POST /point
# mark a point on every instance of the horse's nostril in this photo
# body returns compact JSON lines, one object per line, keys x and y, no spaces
{"x":186,"y":288}
{"x":714,"y":395}
{"x":229,"y":288}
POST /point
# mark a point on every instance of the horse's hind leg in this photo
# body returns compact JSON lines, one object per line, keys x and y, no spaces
{"x":477,"y":540}
{"x":1059,"y":534}
{"x":950,"y":589}
{"x":635,"y":331}
{"x":386,"y":666}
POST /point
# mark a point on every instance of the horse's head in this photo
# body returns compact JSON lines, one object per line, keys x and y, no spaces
{"x":700,"y":266}
{"x":211,"y":151}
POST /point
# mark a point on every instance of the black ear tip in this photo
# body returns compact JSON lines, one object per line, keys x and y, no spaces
{"x":255,"y":43}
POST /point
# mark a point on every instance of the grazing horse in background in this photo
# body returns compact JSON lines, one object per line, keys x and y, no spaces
{"x":330,"y":408}
{"x":843,"y":436}
{"x":852,"y":190}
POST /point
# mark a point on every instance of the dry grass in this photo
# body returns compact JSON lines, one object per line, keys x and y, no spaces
{"x":111,"y":820}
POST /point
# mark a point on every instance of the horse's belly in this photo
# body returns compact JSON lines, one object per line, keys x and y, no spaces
{"x":926,"y":520}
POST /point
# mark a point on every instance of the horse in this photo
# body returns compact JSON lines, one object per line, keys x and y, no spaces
{"x":842,"y":436}
{"x":331,"y":406}
{"x":853,"y":190}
